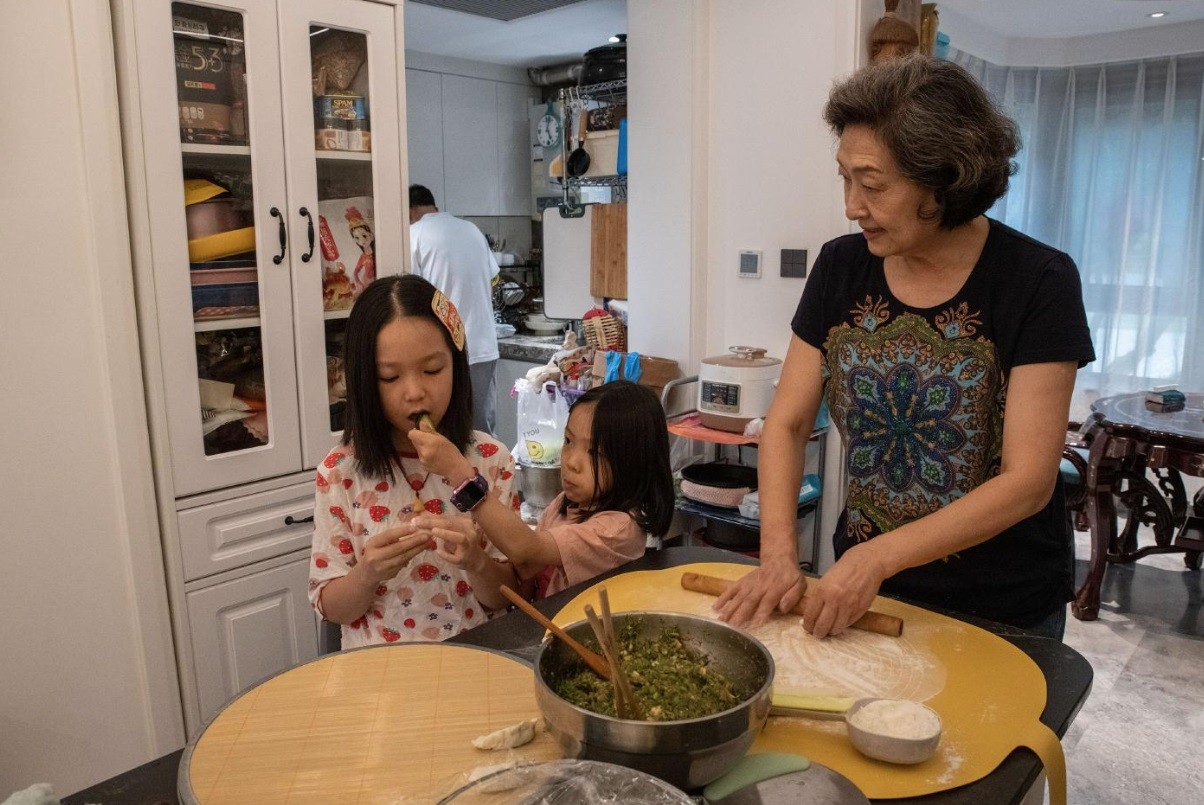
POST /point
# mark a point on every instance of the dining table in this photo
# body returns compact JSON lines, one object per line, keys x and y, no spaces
{"x":1137,"y":456}
{"x":1067,"y":674}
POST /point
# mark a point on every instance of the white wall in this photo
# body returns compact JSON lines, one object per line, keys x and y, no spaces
{"x":728,"y":152}
{"x":87,"y":674}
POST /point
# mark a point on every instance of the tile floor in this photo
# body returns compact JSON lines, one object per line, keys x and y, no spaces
{"x":1140,"y":734}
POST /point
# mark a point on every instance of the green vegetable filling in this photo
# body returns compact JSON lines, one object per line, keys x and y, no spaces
{"x":671,"y":681}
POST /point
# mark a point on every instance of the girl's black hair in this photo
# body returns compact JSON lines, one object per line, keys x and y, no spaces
{"x":629,"y":439}
{"x":366,"y":428}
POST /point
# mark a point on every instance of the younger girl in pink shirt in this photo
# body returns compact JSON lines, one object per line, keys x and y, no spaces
{"x":617,"y":487}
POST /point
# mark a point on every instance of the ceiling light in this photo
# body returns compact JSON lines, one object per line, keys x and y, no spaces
{"x":1156,"y":15}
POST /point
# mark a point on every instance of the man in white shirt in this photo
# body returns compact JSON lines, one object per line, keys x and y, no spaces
{"x":453,"y":255}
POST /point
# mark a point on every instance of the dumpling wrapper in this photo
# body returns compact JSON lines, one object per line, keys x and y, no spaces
{"x":508,"y":737}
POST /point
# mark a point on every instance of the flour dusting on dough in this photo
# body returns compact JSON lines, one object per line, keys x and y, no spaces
{"x":853,"y":663}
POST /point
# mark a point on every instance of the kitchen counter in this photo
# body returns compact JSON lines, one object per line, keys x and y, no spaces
{"x":531,"y":348}
{"x":1067,"y":674}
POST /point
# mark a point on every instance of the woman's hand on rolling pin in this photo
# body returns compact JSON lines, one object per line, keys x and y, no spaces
{"x":386,"y":553}
{"x":844,"y":593}
{"x":776,"y":585}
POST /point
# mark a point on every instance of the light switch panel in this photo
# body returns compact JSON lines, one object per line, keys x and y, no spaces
{"x":794,"y":263}
{"x":750,"y":264}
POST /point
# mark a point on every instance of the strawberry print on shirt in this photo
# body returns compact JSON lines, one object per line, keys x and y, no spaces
{"x":427,"y":600}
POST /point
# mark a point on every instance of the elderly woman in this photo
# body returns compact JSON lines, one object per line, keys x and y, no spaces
{"x":946,"y":344}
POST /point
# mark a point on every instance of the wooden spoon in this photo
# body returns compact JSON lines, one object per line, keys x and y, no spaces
{"x":597,"y":664}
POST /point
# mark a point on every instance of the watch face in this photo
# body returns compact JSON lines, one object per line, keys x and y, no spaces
{"x":548,"y":131}
{"x":470,"y":493}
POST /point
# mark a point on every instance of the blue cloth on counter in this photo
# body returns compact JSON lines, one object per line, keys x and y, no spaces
{"x":631,"y":367}
{"x":613,"y":360}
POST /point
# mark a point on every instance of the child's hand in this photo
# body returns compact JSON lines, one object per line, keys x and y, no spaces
{"x":439,"y":455}
{"x":458,"y":540}
{"x":386,"y":553}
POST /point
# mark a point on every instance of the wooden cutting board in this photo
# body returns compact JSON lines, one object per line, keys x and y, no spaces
{"x":989,"y":694}
{"x":384,"y":724}
{"x":608,"y":251}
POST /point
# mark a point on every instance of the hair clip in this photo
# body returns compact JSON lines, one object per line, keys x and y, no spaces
{"x":446,"y":312}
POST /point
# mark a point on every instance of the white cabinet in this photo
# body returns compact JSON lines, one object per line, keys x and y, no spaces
{"x":247,"y":629}
{"x":470,"y":155}
{"x":424,"y":132}
{"x":263,"y":149}
{"x":469,"y":142}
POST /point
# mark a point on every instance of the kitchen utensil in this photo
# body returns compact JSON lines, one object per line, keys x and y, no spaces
{"x":626,"y":705}
{"x":688,"y":753}
{"x":871,"y":621}
{"x":718,"y":484}
{"x":542,"y":325}
{"x":605,"y":63}
{"x":814,"y":784}
{"x":736,"y":388}
{"x":578,"y":161}
{"x":597,"y":664}
{"x":879,"y":745}
{"x":539,"y":484}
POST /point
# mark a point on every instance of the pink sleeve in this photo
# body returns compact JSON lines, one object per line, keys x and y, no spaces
{"x":601,"y":543}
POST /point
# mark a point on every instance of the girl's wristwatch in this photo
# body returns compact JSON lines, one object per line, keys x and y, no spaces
{"x":469,"y":494}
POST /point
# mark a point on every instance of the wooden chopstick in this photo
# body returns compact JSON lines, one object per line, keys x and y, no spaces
{"x":622,"y":707}
{"x":597,"y":664}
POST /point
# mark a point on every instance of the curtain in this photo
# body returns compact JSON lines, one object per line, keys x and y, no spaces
{"x":1112,"y":172}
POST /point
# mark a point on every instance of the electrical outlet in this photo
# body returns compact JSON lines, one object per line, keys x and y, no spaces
{"x":794,"y":263}
{"x":750,"y":265}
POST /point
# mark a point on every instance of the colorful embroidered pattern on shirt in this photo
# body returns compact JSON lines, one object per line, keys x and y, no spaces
{"x":920,"y":408}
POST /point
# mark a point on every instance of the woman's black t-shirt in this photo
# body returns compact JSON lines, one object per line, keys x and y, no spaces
{"x":918,"y":397}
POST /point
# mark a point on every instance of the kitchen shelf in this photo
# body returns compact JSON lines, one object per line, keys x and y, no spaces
{"x":605,"y":92}
{"x":332,"y":315}
{"x":732,"y":516}
{"x":238,"y":323}
{"x":203,"y":149}
{"x":343,"y":156}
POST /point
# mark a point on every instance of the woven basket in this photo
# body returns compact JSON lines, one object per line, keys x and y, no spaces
{"x":605,"y":332}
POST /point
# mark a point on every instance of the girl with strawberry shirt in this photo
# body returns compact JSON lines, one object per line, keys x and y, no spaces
{"x":617,"y":488}
{"x":372,"y":569}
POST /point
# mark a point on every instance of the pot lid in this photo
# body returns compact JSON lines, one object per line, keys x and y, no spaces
{"x":612,"y":49}
{"x":743,"y":356}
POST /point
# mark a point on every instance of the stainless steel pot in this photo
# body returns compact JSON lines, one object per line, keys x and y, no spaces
{"x":539,"y":484}
{"x":687,"y":754}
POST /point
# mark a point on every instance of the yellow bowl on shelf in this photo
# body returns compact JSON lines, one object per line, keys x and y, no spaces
{"x":223,"y":244}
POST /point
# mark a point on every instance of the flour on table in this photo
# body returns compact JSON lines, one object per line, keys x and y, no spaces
{"x":854,"y":663}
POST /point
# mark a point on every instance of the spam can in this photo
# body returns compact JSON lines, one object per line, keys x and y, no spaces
{"x":341,"y":106}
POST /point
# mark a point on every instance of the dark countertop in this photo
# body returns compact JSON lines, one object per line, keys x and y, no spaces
{"x":1067,"y":674}
{"x":533,"y":348}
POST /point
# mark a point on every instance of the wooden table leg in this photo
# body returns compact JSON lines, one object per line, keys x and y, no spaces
{"x":1101,"y":512}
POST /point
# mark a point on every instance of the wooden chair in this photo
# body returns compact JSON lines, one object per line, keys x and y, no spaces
{"x":1074,"y":474}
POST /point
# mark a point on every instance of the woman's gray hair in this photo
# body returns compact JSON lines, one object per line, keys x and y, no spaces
{"x":940,"y":126}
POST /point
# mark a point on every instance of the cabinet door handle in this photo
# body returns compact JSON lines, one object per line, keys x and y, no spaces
{"x":290,"y":520}
{"x":275,"y":212}
{"x":305,"y":258}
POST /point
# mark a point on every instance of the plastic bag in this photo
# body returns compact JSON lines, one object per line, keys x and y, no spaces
{"x":542,"y":415}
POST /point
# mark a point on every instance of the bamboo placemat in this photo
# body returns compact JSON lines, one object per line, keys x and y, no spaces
{"x":383,"y":724}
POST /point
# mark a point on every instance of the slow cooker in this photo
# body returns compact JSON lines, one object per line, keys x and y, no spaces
{"x":736,"y":388}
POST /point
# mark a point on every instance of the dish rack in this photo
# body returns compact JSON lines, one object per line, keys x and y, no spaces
{"x":605,"y":332}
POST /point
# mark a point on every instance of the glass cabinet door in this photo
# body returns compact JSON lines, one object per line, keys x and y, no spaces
{"x":217,"y":207}
{"x":342,"y":128}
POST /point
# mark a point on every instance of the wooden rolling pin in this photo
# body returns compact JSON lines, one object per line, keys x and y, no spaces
{"x":876,"y":622}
